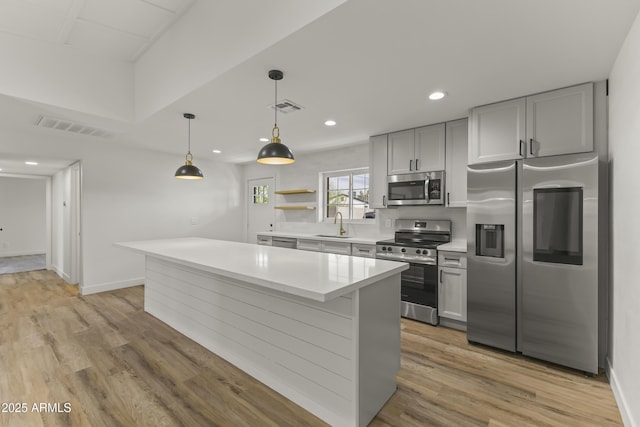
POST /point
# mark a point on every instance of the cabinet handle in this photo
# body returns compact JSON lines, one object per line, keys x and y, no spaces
{"x":531,"y":146}
{"x":384,"y":200}
{"x":520,"y":148}
{"x":410,"y":165}
{"x":440,"y":276}
{"x":417,"y":167}
{"x":448,"y":199}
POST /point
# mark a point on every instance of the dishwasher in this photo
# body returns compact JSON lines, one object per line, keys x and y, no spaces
{"x":284,"y":242}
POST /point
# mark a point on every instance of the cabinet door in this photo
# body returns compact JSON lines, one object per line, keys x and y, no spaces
{"x":560,"y":121}
{"x":430,"y":148}
{"x":401,"y":152}
{"x":497,"y":132}
{"x":378,"y":171}
{"x":362,"y":250}
{"x":457,"y":143}
{"x":309,"y":245}
{"x":336,"y":247}
{"x":452,"y":293}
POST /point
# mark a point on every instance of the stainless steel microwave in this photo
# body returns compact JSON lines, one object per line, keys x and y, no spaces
{"x":425,"y":188}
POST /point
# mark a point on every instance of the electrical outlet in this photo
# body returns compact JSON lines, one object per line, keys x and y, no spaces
{"x":194,"y":220}
{"x":387,"y":223}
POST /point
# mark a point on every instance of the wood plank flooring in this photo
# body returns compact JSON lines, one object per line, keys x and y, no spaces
{"x":115,"y":365}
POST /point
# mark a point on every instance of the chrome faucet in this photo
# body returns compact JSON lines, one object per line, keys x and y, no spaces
{"x":335,"y":219}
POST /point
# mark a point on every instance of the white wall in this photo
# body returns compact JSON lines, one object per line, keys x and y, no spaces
{"x":624,"y":152}
{"x":131,"y":194}
{"x":22,"y":216}
{"x":73,"y":80}
{"x":304,"y":173}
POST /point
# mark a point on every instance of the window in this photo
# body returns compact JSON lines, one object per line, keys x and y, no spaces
{"x":347,"y":192}
{"x":260,"y":194}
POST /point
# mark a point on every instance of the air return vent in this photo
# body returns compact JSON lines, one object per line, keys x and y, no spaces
{"x":285,"y":106}
{"x":69,"y":126}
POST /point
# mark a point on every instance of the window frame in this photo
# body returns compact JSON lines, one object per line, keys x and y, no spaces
{"x":322,"y":202}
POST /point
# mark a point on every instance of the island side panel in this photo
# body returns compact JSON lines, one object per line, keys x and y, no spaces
{"x":302,"y":349}
{"x":379,"y":345}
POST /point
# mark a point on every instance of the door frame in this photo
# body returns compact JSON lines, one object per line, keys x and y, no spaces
{"x":246,"y":203}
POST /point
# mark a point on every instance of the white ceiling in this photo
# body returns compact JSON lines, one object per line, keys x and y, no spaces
{"x":368,"y":64}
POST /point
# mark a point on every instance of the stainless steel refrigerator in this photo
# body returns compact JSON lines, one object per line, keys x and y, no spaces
{"x":532,"y":229}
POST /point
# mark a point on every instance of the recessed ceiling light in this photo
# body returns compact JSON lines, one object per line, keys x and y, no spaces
{"x":0,"y":169}
{"x":437,"y":95}
{"x":31,"y":163}
{"x":264,"y":139}
{"x":330,"y":123}
{"x":217,"y":151}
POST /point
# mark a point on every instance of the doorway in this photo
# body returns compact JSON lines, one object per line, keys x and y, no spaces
{"x":23,"y":223}
{"x":261,"y":214}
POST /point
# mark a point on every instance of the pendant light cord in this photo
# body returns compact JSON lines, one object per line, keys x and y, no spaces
{"x":189,"y":137}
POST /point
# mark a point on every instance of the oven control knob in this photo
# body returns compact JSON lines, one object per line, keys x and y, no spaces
{"x":418,"y":251}
{"x":424,"y":252}
{"x":403,"y":250}
{"x":384,"y":248}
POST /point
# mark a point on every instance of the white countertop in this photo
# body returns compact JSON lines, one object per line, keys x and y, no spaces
{"x":315,"y":275}
{"x":315,"y":236}
{"x":456,"y":245}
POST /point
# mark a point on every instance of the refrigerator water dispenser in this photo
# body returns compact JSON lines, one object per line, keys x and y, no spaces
{"x":490,"y":240}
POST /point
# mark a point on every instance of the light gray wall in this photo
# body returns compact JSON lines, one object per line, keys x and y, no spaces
{"x":130,"y":194}
{"x":624,"y":152}
{"x":22,"y":216}
{"x":304,"y":173}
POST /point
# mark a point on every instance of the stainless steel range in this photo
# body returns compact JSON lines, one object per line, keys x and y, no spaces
{"x":415,"y":242}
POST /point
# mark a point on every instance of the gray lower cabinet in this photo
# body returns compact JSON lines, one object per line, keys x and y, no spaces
{"x":336,"y":247}
{"x":264,"y":240}
{"x":452,"y":289}
{"x":310,"y":245}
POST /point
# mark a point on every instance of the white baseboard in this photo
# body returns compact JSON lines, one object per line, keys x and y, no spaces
{"x":59,"y":272}
{"x":623,"y":405}
{"x":21,"y":253}
{"x":110,"y":286}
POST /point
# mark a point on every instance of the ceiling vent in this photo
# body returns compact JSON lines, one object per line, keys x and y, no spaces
{"x":69,"y":126}
{"x":285,"y":106}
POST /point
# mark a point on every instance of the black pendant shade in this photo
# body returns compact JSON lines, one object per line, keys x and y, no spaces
{"x":189,"y":170}
{"x":275,"y":152}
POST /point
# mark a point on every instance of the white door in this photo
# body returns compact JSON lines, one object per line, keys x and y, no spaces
{"x":261,"y":214}
{"x":74,"y":198}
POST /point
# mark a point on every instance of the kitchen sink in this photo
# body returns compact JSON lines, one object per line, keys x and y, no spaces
{"x":337,"y":236}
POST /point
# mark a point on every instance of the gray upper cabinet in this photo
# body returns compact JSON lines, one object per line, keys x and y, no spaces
{"x":378,"y":171}
{"x":416,"y":150}
{"x":456,"y":163}
{"x":560,"y":122}
{"x":547,"y":124}
{"x":497,"y":131}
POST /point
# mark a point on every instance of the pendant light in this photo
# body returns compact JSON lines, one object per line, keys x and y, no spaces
{"x":275,"y":152}
{"x":189,"y":170}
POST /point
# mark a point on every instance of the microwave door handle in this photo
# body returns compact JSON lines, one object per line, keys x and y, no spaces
{"x":426,"y":190}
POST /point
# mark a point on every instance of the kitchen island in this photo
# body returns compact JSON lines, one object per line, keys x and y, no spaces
{"x":321,"y":329}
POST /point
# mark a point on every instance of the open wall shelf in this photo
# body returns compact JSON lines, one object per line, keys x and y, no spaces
{"x":302,"y":191}
{"x":296,"y":208}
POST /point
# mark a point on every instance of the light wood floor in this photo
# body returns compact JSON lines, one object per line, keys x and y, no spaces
{"x":118,"y":366}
